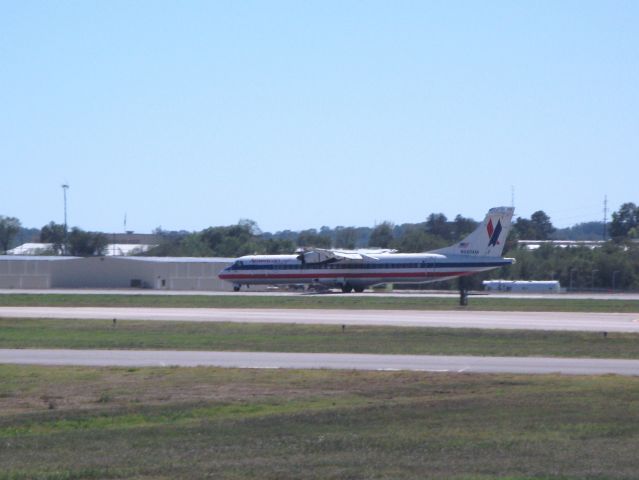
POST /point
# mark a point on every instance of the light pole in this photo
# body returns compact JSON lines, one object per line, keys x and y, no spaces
{"x":65,"y":187}
{"x":571,"y":272}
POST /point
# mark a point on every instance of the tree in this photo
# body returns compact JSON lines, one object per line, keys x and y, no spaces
{"x":86,"y":244}
{"x":382,"y":235}
{"x":310,"y":238}
{"x":542,"y":225}
{"x":522,"y":228}
{"x":9,"y":228}
{"x":582,"y":231}
{"x":274,"y":246}
{"x":53,"y":233}
{"x":345,"y":237}
{"x":251,"y":226}
{"x":463,"y":226}
{"x":538,"y":227}
{"x":624,"y":221}
{"x":415,"y":240}
{"x":437,"y":224}
{"x":231,"y":241}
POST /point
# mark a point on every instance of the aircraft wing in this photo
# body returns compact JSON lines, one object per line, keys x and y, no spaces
{"x":319,"y":255}
{"x":348,"y":255}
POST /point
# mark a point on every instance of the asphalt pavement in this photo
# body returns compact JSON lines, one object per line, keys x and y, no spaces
{"x":339,"y":361}
{"x":610,"y":322}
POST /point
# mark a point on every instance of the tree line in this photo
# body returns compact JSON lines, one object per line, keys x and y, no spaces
{"x":612,"y":266}
{"x":76,"y":242}
{"x":615,"y":265}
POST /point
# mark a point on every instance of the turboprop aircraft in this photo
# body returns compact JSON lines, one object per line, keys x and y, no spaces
{"x":358,"y":269}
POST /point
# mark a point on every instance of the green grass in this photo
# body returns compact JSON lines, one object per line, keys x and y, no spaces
{"x":479,"y":302}
{"x":165,"y":423}
{"x":71,"y":333}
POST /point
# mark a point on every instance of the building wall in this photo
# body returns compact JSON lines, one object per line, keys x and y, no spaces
{"x":112,"y":272}
{"x":95,"y":272}
{"x":25,"y":273}
{"x":522,"y":286}
{"x":176,"y":275}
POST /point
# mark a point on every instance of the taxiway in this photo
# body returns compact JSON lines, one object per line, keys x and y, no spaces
{"x":427,"y":363}
{"x":571,"y":321}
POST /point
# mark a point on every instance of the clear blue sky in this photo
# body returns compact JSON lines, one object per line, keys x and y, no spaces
{"x":302,"y":114}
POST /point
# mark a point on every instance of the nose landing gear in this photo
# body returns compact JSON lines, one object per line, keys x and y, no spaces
{"x":348,"y":288}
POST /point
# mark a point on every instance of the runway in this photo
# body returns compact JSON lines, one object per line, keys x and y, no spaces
{"x":475,"y":296}
{"x":610,"y":322}
{"x":425,"y":363}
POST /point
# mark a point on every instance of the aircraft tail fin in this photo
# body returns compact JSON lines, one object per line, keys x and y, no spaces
{"x":489,"y":237}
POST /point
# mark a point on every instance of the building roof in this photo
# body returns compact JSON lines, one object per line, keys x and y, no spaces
{"x":181,"y":259}
{"x":535,"y":244}
{"x":43,"y":258}
{"x":112,"y":249}
{"x":36,"y":258}
{"x":30,"y":248}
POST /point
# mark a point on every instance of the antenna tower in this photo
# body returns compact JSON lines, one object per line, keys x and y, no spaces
{"x":65,"y":187}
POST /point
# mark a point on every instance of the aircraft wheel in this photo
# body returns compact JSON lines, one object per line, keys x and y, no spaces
{"x":358,"y":289}
{"x":236,"y":288}
{"x":346,"y":288}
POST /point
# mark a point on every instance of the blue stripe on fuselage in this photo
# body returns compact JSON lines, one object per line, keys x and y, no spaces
{"x":372,"y":266}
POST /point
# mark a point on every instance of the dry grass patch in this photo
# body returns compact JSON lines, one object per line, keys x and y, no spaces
{"x":226,"y":423}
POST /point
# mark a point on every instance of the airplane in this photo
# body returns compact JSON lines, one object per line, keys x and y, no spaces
{"x":359,"y":269}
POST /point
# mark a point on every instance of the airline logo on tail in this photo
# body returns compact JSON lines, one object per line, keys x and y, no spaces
{"x":493,"y":232}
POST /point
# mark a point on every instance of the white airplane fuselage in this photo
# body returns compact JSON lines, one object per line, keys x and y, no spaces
{"x":388,"y":268}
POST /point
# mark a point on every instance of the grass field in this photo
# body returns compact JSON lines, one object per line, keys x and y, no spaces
{"x":479,"y":302}
{"x":31,"y":333}
{"x":167,"y":423}
{"x":67,"y":423}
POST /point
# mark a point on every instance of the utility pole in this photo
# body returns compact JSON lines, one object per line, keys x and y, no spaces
{"x":65,"y":187}
{"x":605,"y":233}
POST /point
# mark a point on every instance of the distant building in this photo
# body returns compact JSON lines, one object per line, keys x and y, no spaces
{"x":535,"y":244}
{"x":112,"y":249}
{"x":540,"y":286}
{"x":165,"y":273}
{"x":31,"y":248}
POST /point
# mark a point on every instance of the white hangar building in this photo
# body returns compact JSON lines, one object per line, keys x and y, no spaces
{"x":164,"y":273}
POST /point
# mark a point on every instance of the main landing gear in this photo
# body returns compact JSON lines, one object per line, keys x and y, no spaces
{"x":463,"y":297}
{"x":463,"y":291}
{"x":347,"y":288}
